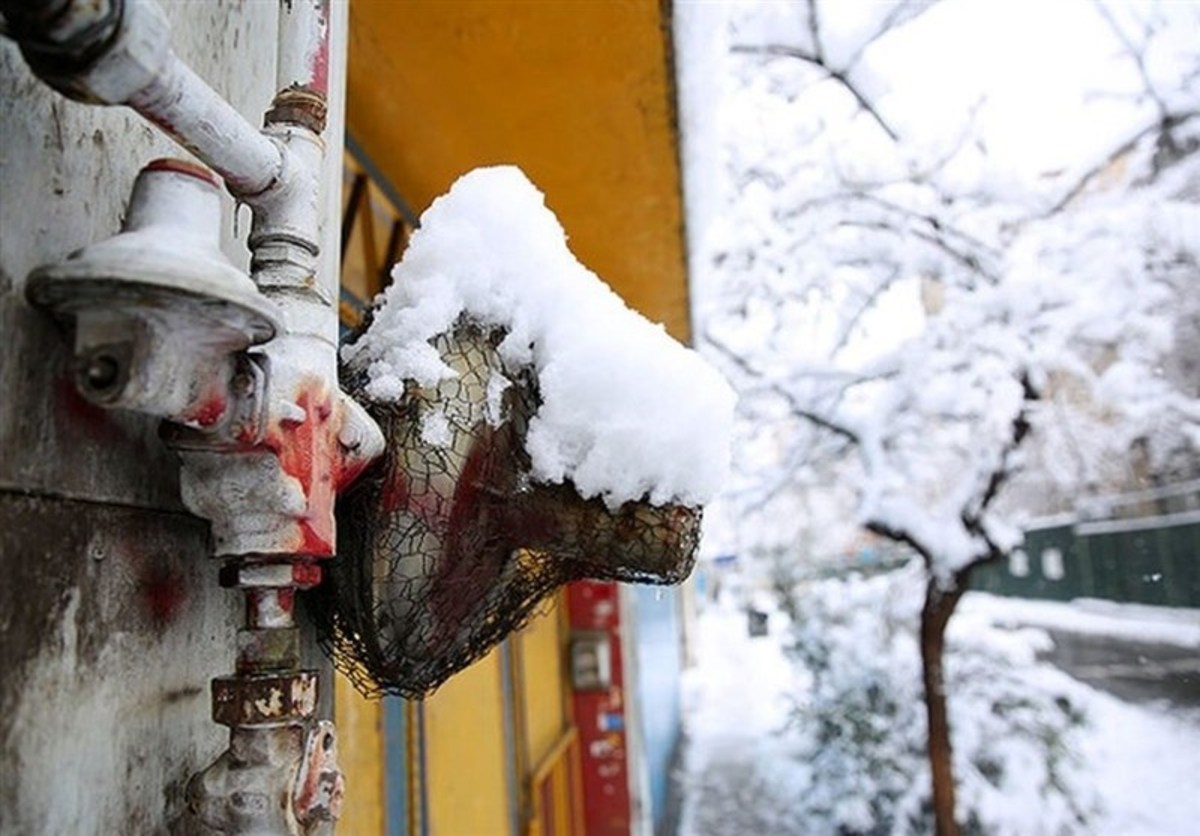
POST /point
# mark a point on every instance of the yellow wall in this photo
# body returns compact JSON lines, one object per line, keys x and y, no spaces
{"x":579,"y":94}
{"x":466,"y":771}
{"x":360,"y":754}
{"x":542,"y":684}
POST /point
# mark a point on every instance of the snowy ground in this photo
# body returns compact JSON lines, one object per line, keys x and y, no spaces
{"x":736,"y":701}
{"x":1167,"y":625}
{"x":738,"y":769}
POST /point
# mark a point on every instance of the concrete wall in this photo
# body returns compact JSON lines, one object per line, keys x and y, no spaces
{"x":111,"y":621}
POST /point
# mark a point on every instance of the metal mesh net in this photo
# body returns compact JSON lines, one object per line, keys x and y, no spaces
{"x":446,"y":546}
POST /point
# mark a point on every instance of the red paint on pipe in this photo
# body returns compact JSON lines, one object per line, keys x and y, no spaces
{"x":308,"y":452}
{"x":348,"y":470}
{"x":306,"y":575}
{"x":320,"y":65}
{"x":209,"y":411}
{"x":187,"y":167}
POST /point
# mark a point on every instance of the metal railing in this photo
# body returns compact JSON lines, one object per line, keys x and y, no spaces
{"x":376,"y":226}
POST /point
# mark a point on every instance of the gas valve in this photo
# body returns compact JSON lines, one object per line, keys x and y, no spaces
{"x":161,"y":317}
{"x":256,"y":786}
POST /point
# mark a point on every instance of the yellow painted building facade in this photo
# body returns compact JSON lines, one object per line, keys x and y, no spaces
{"x":579,"y":94}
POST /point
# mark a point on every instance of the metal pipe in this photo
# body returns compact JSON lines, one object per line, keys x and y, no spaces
{"x":303,"y":56}
{"x":51,"y":31}
{"x":271,"y":503}
{"x":118,"y":52}
{"x":193,"y":114}
{"x":316,"y":437}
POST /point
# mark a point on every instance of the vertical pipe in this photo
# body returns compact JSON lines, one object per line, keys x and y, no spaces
{"x":271,"y":608}
{"x":303,"y":56}
{"x":512,"y":774}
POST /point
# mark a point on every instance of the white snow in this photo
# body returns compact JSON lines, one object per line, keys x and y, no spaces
{"x":743,"y":772}
{"x":435,"y":427}
{"x":929,"y":295}
{"x":1136,"y":622}
{"x":626,"y":411}
{"x":915,"y":294}
{"x":1146,"y":761}
{"x":738,"y":769}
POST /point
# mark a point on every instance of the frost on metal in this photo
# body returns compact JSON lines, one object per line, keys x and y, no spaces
{"x":538,"y":432}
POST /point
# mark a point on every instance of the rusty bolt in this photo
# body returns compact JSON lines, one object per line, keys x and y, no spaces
{"x":264,"y":700}
{"x":298,"y":105}
{"x":300,"y":574}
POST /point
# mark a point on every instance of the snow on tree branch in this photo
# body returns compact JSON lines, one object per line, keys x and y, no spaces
{"x":914,"y":301}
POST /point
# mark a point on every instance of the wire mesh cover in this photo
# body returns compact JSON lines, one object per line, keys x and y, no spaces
{"x":446,"y":546}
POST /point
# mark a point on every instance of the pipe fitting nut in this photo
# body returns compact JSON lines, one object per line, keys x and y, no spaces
{"x":276,"y":574}
{"x":264,"y":700}
{"x":298,"y":105}
{"x":110,"y":65}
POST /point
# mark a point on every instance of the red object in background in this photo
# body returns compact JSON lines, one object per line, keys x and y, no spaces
{"x":600,"y":715}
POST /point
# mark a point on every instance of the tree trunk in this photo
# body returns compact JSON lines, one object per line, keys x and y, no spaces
{"x":935,"y":614}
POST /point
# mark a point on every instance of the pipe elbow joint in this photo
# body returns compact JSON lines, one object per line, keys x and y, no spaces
{"x":97,"y":53}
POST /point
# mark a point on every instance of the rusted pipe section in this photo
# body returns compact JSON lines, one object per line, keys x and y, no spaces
{"x":258,"y":786}
{"x":279,"y":773}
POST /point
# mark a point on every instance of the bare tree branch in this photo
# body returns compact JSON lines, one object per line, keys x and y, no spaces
{"x":849,"y":324}
{"x":798,"y":409}
{"x":1137,"y":55}
{"x":898,"y":16}
{"x":927,"y":172}
{"x":936,"y":225}
{"x":899,"y":535}
{"x":1168,"y":124}
{"x":972,"y":518}
{"x":817,"y":60}
{"x":966,"y":258}
{"x":814,"y":32}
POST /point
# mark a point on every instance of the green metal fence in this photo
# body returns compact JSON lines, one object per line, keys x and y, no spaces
{"x":1147,"y":560}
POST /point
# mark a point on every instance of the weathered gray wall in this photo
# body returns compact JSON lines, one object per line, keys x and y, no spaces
{"x":111,"y":622}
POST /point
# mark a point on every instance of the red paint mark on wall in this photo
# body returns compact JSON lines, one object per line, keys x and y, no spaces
{"x":162,"y":592}
{"x":94,"y":421}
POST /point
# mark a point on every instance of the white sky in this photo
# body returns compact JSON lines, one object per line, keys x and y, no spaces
{"x":1048,"y":82}
{"x":1035,"y":66}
